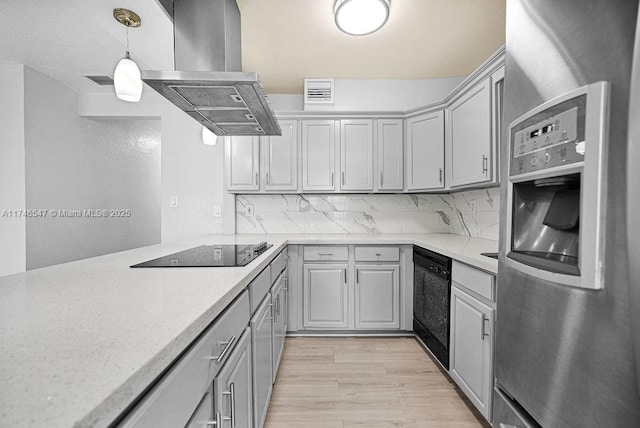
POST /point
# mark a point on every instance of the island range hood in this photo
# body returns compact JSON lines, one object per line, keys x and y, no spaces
{"x":208,"y":83}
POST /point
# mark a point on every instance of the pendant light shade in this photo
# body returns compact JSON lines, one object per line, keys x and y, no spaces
{"x":127,"y":81}
{"x":361,"y":17}
{"x":126,"y":77}
{"x":208,"y":137}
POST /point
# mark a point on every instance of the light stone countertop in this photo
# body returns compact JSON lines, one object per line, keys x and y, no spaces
{"x":81,"y":340}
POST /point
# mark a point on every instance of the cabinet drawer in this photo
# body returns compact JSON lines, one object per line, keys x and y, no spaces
{"x":377,"y":254}
{"x":326,"y":253}
{"x":473,"y":279}
{"x":259,"y":288}
{"x":174,"y":398}
{"x":276,"y":266}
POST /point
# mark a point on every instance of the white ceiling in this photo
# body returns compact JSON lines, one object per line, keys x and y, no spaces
{"x":283,"y":40}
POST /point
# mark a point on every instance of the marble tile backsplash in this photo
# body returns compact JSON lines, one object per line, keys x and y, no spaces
{"x":425,"y":213}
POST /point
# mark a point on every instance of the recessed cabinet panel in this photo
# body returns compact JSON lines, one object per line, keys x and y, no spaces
{"x":377,"y":296}
{"x":470,"y":136}
{"x":318,"y":155}
{"x":325,"y":296}
{"x":280,"y":168}
{"x":471,"y":357}
{"x":390,"y":154}
{"x":242,"y":160}
{"x":425,"y":151}
{"x":233,"y":386}
{"x":356,"y":155}
{"x":262,"y":360}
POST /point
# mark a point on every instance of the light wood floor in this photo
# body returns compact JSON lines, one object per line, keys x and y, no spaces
{"x":365,"y":383}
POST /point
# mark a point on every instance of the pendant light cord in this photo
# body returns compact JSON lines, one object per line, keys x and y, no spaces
{"x":127,"y":33}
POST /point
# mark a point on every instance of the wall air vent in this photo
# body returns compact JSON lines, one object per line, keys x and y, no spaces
{"x":101,"y":80}
{"x":318,"y":91}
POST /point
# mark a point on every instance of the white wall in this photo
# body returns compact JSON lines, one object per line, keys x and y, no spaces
{"x":12,"y":169}
{"x":77,"y":164}
{"x":374,"y":95}
{"x":190,"y":170}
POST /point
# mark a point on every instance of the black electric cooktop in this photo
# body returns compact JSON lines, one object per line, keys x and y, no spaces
{"x":210,"y":256}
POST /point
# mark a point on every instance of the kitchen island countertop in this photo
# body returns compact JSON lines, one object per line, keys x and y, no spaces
{"x":82,"y":340}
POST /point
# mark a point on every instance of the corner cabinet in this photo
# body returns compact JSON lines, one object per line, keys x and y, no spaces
{"x":280,"y":159}
{"x":474,"y":121}
{"x":425,"y":151}
{"x":472,"y":335}
{"x":318,"y":155}
{"x":242,"y":163}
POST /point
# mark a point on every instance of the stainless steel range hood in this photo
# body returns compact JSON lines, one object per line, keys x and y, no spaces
{"x":208,"y":83}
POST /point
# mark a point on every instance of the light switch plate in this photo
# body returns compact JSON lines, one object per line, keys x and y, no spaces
{"x":173,"y":201}
{"x":473,"y":204}
{"x":217,"y":211}
{"x":249,"y":210}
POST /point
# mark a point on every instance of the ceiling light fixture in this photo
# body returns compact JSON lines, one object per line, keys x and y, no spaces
{"x":361,"y":17}
{"x":126,"y":77}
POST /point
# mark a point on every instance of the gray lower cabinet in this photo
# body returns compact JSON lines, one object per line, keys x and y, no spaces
{"x":279,"y":310}
{"x":204,"y":413}
{"x":377,"y":296}
{"x":471,"y":352}
{"x":324,"y":295}
{"x":261,"y":338}
{"x":232,"y":387}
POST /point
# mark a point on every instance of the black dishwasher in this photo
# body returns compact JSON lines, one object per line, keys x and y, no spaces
{"x":431,"y":301}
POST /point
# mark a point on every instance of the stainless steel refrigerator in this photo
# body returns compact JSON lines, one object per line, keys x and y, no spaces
{"x":565,"y":356}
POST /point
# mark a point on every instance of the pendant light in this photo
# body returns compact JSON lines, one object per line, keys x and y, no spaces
{"x":126,"y":77}
{"x":208,"y":137}
{"x":361,"y":17}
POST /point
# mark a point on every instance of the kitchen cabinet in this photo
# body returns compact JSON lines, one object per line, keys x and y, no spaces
{"x":377,"y":297}
{"x":279,"y":316}
{"x":233,"y":386}
{"x":472,"y":338}
{"x":204,"y":412}
{"x":318,"y":155}
{"x":242,"y":162}
{"x":356,"y":154}
{"x":474,"y":121}
{"x":280,"y":158}
{"x":261,"y":346}
{"x":390,"y":151}
{"x":325,"y":298}
{"x":425,"y":151}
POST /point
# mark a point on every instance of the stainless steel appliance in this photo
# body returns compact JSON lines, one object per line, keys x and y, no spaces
{"x":209,"y":256}
{"x":431,"y":301}
{"x":564,"y":354}
{"x":556,"y":188}
{"x":208,"y":83}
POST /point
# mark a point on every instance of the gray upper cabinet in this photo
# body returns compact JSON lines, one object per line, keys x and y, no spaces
{"x":469,"y":136}
{"x":356,"y":154}
{"x":318,"y":155}
{"x":425,"y":151}
{"x":242,"y":161}
{"x":280,"y":159}
{"x":389,"y":142}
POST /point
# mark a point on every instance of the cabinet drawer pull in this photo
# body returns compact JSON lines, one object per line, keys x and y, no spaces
{"x":485,"y":167}
{"x":232,"y":401}
{"x":483,"y":332}
{"x":325,"y":254}
{"x":227,"y":348}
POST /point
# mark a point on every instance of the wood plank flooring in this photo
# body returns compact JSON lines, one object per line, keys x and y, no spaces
{"x":365,"y":383}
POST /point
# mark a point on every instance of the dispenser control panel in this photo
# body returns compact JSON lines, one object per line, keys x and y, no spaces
{"x":551,"y":138}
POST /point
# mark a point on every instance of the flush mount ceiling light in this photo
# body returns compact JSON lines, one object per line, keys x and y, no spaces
{"x":361,"y":17}
{"x":126,"y":77}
